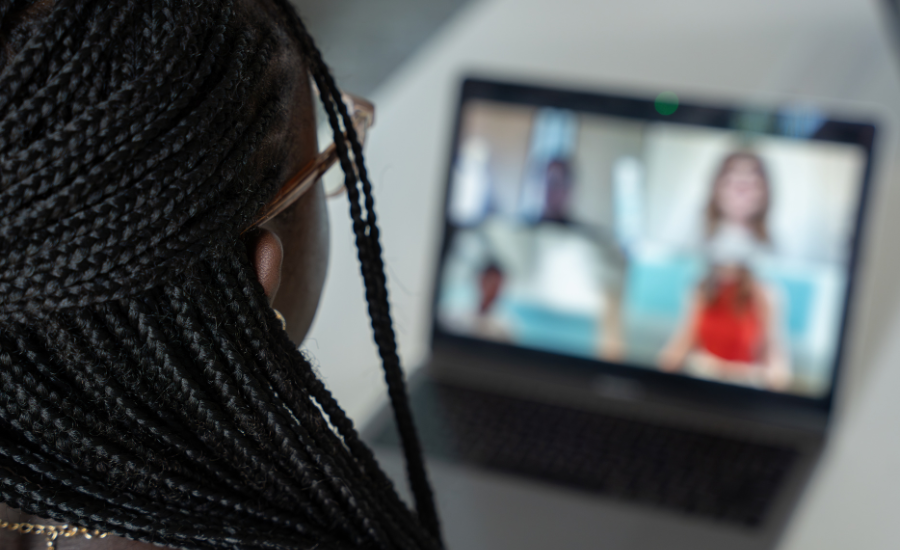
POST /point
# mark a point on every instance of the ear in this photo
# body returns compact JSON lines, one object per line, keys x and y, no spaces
{"x":267,"y":254}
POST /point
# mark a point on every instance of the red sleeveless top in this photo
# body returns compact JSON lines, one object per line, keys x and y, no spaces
{"x":729,"y":330}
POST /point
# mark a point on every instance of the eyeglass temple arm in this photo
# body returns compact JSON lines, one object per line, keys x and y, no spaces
{"x":363,"y":116}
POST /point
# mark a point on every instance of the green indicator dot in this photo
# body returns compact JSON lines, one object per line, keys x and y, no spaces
{"x":666,"y":103}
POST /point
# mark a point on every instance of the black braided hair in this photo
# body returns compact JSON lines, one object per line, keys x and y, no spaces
{"x":146,"y":388}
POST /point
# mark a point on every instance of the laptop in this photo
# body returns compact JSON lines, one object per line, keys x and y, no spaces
{"x":639,"y":317}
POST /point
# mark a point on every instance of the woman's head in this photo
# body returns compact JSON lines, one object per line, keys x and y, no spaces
{"x":558,"y":190}
{"x":491,"y":283}
{"x":146,"y":387}
{"x":740,"y":194}
{"x":188,"y":116}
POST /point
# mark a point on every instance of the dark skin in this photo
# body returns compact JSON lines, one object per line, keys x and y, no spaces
{"x":290,"y":255}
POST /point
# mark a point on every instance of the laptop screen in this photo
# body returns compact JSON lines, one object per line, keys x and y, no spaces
{"x":700,"y":242}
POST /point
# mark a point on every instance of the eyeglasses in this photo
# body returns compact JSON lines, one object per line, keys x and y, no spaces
{"x":362,"y":116}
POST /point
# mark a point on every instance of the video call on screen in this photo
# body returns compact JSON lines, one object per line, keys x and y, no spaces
{"x":696,"y":251}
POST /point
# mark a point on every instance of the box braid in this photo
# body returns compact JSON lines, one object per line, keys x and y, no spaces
{"x":146,"y":388}
{"x":359,"y":190}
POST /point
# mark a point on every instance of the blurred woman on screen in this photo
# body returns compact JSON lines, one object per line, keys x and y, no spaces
{"x":730,"y":332}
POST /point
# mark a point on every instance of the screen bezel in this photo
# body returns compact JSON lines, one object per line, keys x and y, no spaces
{"x":643,"y":109}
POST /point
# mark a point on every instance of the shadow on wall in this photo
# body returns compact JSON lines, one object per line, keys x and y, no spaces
{"x":364,"y":41}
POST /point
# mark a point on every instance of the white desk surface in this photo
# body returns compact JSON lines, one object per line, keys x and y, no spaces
{"x":837,"y":52}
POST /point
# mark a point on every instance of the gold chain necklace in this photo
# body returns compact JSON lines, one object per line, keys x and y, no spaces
{"x":53,"y":532}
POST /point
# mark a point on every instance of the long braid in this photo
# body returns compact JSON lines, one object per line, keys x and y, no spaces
{"x":372,"y":268}
{"x":146,"y":388}
{"x":304,"y":380}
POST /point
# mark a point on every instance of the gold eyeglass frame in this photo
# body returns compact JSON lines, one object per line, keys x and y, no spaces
{"x":362,"y":117}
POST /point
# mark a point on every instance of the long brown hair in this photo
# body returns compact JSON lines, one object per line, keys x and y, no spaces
{"x":714,"y":214}
{"x":745,"y":282}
